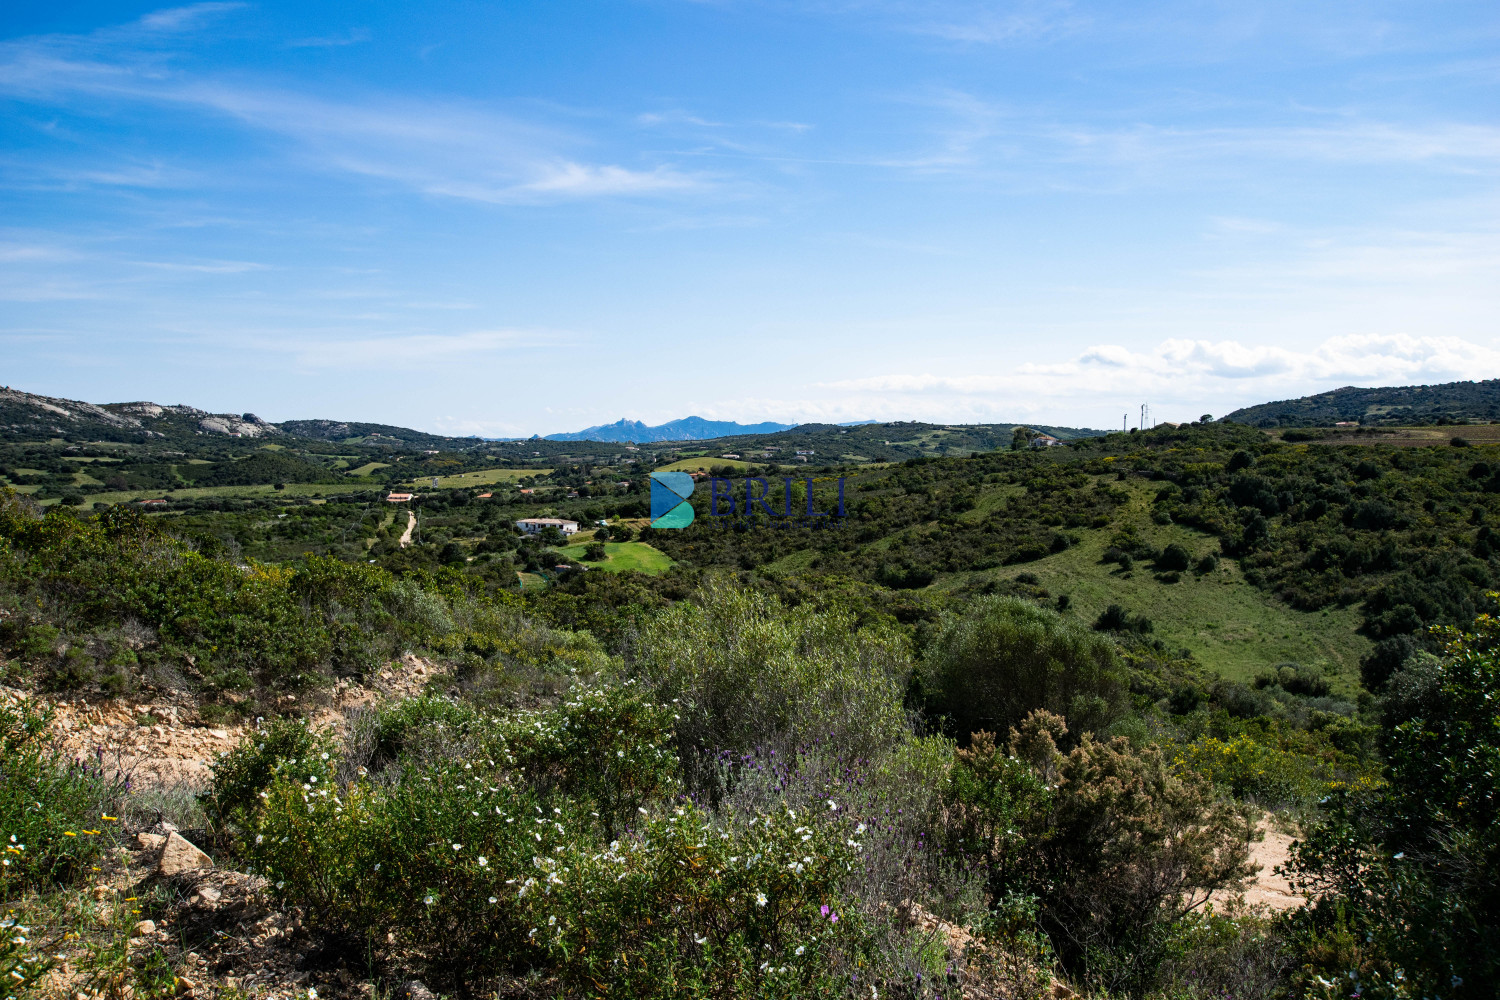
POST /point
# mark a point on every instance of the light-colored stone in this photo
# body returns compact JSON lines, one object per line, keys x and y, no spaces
{"x":179,"y":855}
{"x":145,"y":927}
{"x":151,"y":841}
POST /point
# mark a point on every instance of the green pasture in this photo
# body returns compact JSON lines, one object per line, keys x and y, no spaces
{"x":704,"y":464}
{"x":197,"y":492}
{"x":621,"y":557}
{"x":484,"y":477}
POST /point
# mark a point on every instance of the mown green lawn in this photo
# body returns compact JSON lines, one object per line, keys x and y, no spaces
{"x":623,"y":556}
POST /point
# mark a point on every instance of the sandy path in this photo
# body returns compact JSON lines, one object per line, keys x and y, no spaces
{"x":411,"y":525}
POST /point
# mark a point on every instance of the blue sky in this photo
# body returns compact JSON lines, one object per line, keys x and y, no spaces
{"x":507,"y":218}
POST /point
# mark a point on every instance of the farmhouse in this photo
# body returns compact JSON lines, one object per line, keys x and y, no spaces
{"x":400,"y":497}
{"x":729,"y":455}
{"x":534,"y":525}
{"x":1045,"y":441}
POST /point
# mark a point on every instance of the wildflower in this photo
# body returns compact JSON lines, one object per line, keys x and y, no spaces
{"x":700,"y":940}
{"x":260,"y":838}
{"x":551,"y":921}
{"x":458,"y":847}
{"x":483,"y":861}
{"x":429,"y":900}
{"x":823,"y":909}
{"x":760,"y":899}
{"x":800,"y":950}
{"x":493,"y":901}
{"x":832,"y":805}
{"x":325,"y":757}
{"x":312,"y":991}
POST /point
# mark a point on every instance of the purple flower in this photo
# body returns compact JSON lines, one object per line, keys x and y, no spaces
{"x":824,"y":909}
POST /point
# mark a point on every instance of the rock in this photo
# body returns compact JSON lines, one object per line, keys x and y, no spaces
{"x":219,"y":734}
{"x":179,"y":855}
{"x":151,"y":841}
{"x":164,"y":826}
{"x":209,"y":894}
{"x":145,"y":927}
{"x":185,"y":985}
{"x":414,"y":990}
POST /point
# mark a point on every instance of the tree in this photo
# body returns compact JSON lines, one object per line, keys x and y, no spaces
{"x":595,"y":552}
{"x":1409,"y":873}
{"x":1020,"y":438}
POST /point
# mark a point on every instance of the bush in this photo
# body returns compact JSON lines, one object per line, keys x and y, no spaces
{"x":244,"y":773}
{"x":595,"y":552}
{"x":987,"y":668}
{"x":1421,"y":851}
{"x":746,"y":671}
{"x":55,"y":813}
{"x":1174,"y":558}
{"x":1113,"y":844}
{"x":1115,"y":618}
{"x":488,"y":864}
{"x":1294,"y":678}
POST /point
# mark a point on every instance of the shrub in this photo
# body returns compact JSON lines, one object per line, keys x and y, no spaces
{"x":55,"y":813}
{"x":244,"y":773}
{"x":746,"y":671}
{"x":595,"y":552}
{"x":1174,"y":558}
{"x":1421,"y":851}
{"x":1294,"y":678}
{"x":480,"y":874}
{"x":988,"y":667}
{"x":1114,"y":844}
{"x":1115,"y":618}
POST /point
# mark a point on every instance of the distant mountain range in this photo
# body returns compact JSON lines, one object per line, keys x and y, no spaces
{"x":686,"y":429}
{"x":1385,"y":406}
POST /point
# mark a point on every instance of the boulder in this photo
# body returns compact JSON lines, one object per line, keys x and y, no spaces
{"x":179,"y":855}
{"x":151,"y":841}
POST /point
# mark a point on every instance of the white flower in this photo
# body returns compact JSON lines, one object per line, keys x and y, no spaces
{"x":493,"y":900}
{"x":799,"y":950}
{"x":483,"y":861}
{"x":760,"y":899}
{"x":312,"y":991}
{"x":260,"y":838}
{"x":458,"y":847}
{"x":832,"y":805}
{"x":551,"y":921}
{"x":429,"y":900}
{"x":700,"y":940}
{"x":860,"y":828}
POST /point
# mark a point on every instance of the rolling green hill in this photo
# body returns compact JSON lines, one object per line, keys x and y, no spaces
{"x":1389,"y":406}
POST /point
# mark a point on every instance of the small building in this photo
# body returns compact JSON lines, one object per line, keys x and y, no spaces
{"x":536,"y":525}
{"x":527,"y":492}
{"x":152,"y":503}
{"x":484,"y":496}
{"x":730,"y":455}
{"x":808,"y":452}
{"x":400,"y":497}
{"x":1347,"y":423}
{"x":1045,"y":441}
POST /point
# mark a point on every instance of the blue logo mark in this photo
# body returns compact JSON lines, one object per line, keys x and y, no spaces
{"x":669,"y":499}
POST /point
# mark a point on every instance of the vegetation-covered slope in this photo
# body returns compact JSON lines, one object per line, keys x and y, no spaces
{"x":1451,"y":402}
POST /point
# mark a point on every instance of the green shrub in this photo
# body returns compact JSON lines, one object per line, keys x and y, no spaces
{"x":1003,"y":657}
{"x":244,"y":773}
{"x":55,"y":813}
{"x":746,"y":671}
{"x":478,"y":873}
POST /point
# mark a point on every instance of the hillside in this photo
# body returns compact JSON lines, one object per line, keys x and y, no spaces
{"x":1452,"y":402}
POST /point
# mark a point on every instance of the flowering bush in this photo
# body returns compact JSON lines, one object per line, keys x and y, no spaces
{"x":558,"y":851}
{"x":243,"y":773}
{"x":54,"y":812}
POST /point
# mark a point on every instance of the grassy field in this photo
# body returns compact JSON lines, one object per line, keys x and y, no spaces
{"x":1230,"y":626}
{"x":484,"y":477}
{"x":1409,"y":437}
{"x":369,"y":467}
{"x":195,"y":492}
{"x":703,"y":465}
{"x":621,"y":557}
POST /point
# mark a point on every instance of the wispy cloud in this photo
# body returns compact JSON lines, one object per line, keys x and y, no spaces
{"x":187,"y":17}
{"x":417,"y":351}
{"x":440,"y":148}
{"x":353,"y":37}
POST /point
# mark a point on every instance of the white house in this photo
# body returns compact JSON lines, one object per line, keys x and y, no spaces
{"x":534,"y":525}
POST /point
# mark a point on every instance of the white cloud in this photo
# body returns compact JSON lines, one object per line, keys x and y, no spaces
{"x":1178,"y":377}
